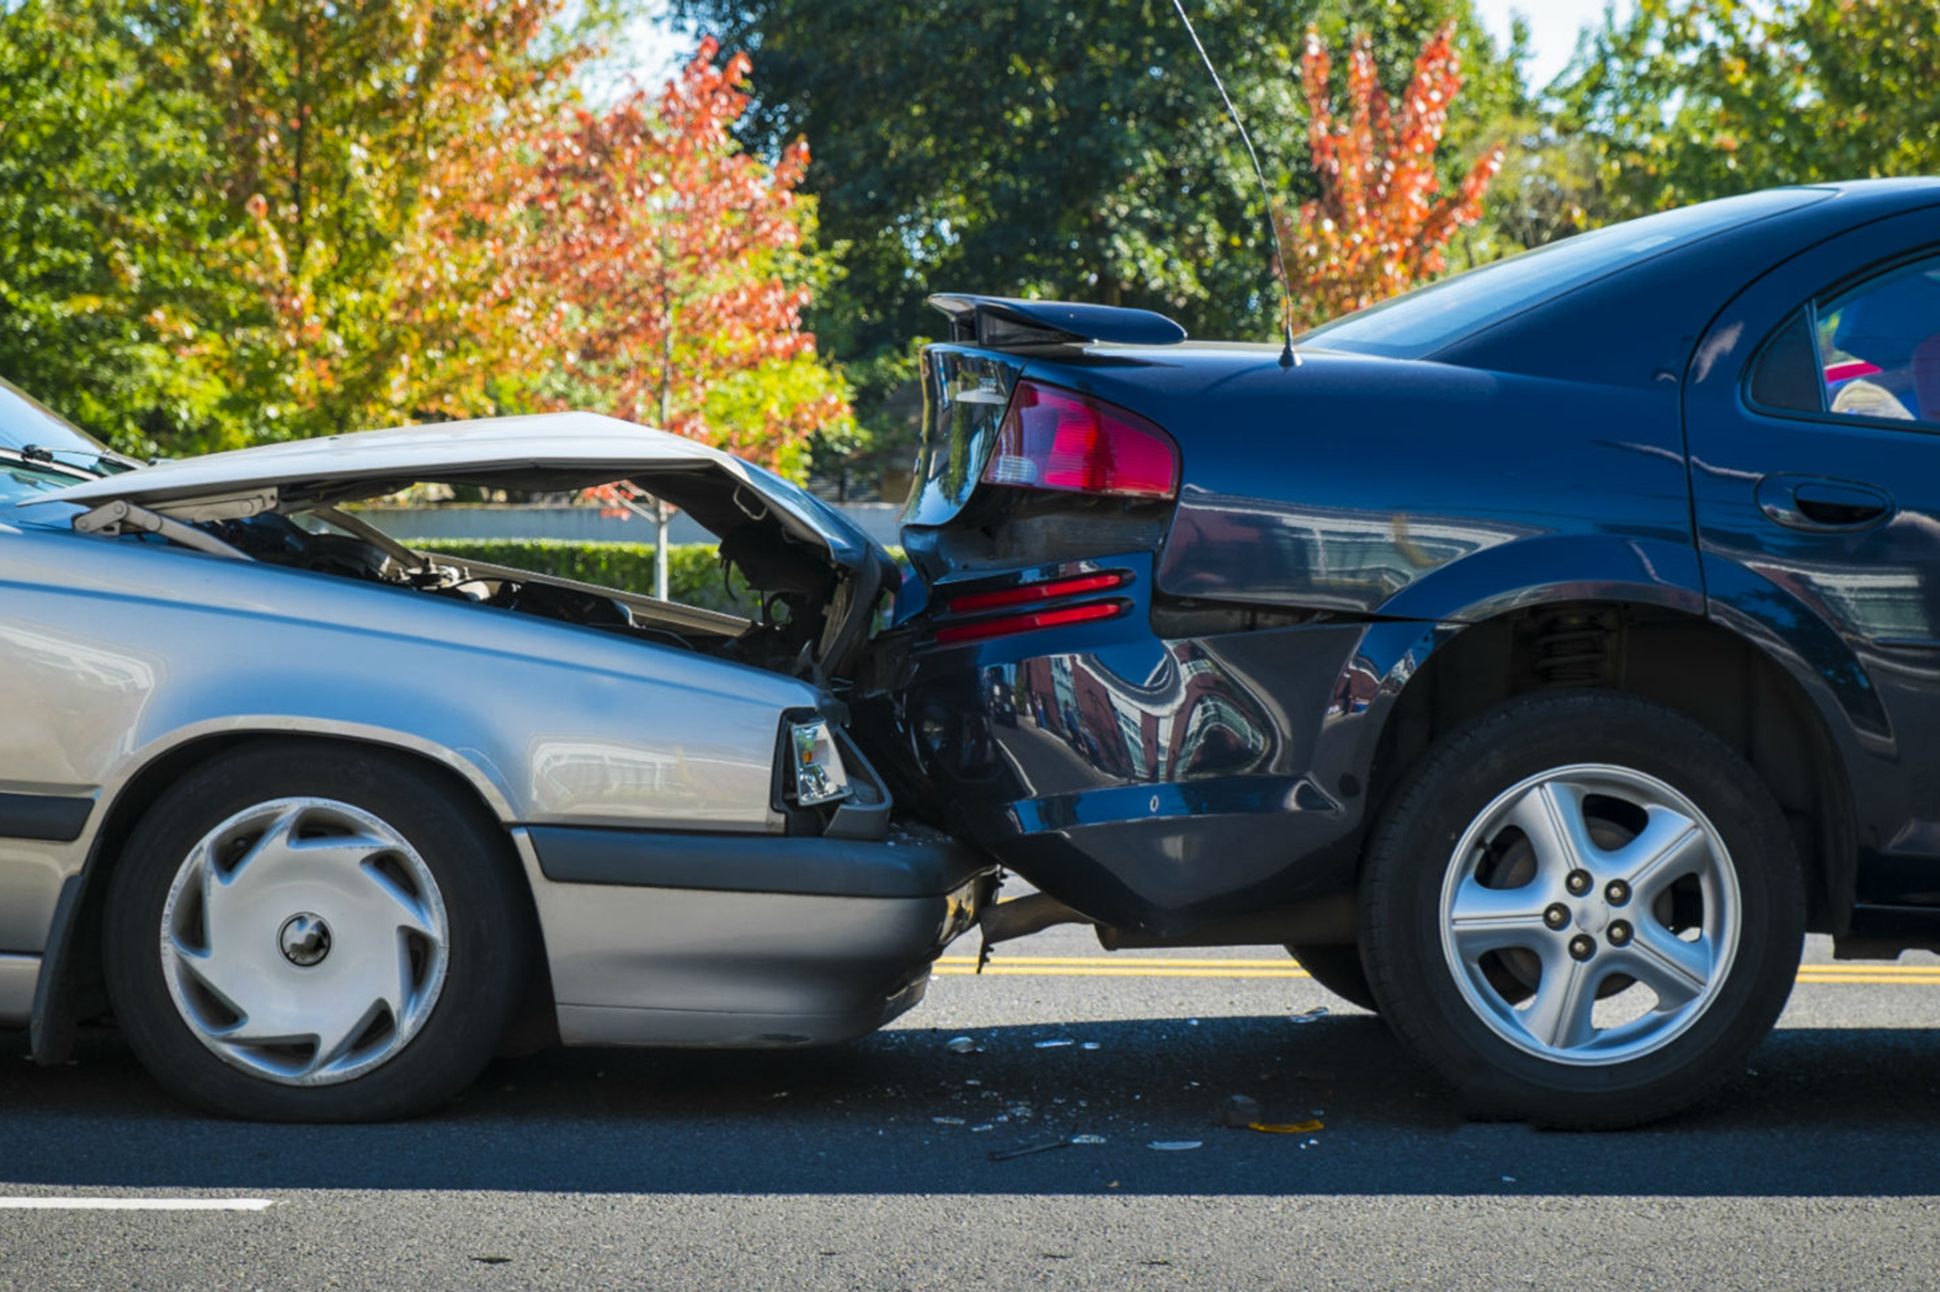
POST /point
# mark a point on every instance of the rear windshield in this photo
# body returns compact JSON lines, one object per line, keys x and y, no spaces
{"x":1423,"y":321}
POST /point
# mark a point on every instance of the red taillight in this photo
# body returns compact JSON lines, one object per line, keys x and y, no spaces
{"x":1030,"y":593}
{"x":1059,"y":439}
{"x":1025,"y":623}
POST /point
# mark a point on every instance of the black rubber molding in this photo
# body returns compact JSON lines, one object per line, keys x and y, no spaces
{"x":56,"y":818}
{"x":753,"y":863}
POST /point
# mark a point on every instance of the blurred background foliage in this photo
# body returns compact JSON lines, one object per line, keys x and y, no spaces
{"x":228,"y":221}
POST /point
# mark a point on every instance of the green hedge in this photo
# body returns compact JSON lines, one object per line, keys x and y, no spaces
{"x":693,"y":569}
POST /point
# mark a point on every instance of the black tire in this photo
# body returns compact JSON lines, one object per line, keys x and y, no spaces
{"x":1421,"y":990}
{"x":484,"y":937}
{"x":1339,"y":970}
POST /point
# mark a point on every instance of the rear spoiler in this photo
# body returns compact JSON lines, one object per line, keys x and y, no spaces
{"x":997,"y":322}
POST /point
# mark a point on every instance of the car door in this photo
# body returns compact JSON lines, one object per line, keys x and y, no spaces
{"x":1812,"y":416}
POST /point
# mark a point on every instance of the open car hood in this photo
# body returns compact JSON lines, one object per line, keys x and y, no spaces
{"x":791,"y":547}
{"x":551,"y":452}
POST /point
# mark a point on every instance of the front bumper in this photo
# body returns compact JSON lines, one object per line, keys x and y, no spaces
{"x":660,"y":938}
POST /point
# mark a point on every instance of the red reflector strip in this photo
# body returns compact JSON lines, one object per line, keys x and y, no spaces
{"x":1031,"y":593}
{"x":1025,"y":623}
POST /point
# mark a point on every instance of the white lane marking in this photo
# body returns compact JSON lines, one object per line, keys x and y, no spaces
{"x":135,"y":1204}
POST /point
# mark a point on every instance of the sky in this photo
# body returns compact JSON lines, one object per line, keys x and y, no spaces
{"x":652,"y":50}
{"x":1553,"y":27}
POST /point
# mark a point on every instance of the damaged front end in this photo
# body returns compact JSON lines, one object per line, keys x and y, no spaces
{"x":815,"y":579}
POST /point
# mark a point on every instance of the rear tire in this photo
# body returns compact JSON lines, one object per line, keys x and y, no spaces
{"x":1339,"y":970}
{"x":1582,"y":909}
{"x":314,"y":933}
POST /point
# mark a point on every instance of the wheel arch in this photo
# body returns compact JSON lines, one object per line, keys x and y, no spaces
{"x":70,"y":986}
{"x":1691,"y":664}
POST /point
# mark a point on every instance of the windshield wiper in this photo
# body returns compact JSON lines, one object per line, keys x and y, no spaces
{"x":40,"y":460}
{"x":38,"y":453}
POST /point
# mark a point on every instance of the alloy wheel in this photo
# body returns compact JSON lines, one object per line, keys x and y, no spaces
{"x":1590,"y":914}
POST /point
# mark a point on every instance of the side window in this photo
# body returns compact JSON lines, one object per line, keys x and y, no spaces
{"x":1872,"y":351}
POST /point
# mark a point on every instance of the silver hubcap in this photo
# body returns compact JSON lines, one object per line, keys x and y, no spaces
{"x":304,"y":941}
{"x":1590,"y":914}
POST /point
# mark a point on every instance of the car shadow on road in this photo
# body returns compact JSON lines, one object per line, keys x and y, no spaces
{"x":1836,"y":1112}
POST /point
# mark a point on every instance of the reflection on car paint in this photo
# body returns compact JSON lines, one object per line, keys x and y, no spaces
{"x":1184,"y":719}
{"x":1334,"y":558}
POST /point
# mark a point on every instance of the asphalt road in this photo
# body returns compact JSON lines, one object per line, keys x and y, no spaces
{"x":868,"y":1166}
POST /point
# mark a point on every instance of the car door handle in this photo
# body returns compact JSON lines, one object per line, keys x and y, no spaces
{"x":1812,"y":502}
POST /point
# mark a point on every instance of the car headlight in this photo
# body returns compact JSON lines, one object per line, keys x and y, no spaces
{"x":816,"y":771}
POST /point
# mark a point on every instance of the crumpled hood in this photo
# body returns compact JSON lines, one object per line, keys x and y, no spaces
{"x":554,"y":452}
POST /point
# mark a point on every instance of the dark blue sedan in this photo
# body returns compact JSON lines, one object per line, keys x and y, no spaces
{"x":1538,"y":656}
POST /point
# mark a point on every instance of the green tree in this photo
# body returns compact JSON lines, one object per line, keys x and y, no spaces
{"x":330,"y":127}
{"x":224,"y":221}
{"x":1693,"y":99}
{"x":206,"y":202}
{"x":98,"y":231}
{"x":1013,"y":146}
{"x":1073,"y":149}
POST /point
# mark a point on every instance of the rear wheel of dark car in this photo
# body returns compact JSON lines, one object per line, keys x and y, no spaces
{"x":1338,"y":969}
{"x":314,"y":933}
{"x":1582,"y":909}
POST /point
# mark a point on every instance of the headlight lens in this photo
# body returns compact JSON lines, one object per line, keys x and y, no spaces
{"x":817,"y":773}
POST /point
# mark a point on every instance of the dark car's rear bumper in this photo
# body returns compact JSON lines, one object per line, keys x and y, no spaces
{"x":666,"y":938}
{"x":1152,"y":782}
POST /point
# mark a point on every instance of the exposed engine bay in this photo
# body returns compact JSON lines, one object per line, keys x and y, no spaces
{"x":789,"y":591}
{"x":810,"y":584}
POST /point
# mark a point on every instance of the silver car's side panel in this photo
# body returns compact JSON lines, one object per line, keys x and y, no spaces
{"x":670,"y":966}
{"x":30,"y":883}
{"x":114,"y":653}
{"x":18,"y":975}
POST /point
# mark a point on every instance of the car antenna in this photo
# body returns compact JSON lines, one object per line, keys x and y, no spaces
{"x":1288,"y":357}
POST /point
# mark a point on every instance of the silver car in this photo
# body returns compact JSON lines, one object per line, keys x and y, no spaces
{"x":323,"y":822}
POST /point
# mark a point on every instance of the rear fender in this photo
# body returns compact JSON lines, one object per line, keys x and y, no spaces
{"x":1561,"y":567}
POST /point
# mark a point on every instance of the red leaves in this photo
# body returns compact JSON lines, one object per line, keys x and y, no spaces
{"x":649,"y":264}
{"x":1380,"y":225}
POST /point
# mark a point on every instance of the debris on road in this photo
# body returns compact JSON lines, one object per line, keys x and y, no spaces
{"x":1054,"y":1044}
{"x":1175,"y":1145}
{"x":1029,"y":1146}
{"x":1087,"y":1139}
{"x":1286,"y":1128}
{"x":947,"y":1121}
{"x":1309,"y":1015}
{"x":1238,"y":1110}
{"x":962,"y":1045}
{"x":1092,"y":1045}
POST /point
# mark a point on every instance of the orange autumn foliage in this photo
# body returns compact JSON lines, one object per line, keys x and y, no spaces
{"x":1381,"y":222}
{"x":646,"y":263}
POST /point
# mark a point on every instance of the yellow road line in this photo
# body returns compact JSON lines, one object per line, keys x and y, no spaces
{"x":1100,"y":971}
{"x":1891,"y":980}
{"x":1140,"y":962}
{"x":1196,"y":967}
{"x":1851,"y":967}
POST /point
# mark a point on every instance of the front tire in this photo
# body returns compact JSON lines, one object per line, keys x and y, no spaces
{"x":1582,"y":909}
{"x":314,"y":933}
